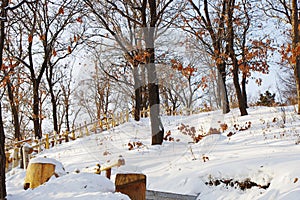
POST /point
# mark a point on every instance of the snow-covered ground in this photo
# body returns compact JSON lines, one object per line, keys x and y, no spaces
{"x":262,"y":149}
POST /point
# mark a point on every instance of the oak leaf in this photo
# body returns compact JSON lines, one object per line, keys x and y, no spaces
{"x":79,"y":19}
{"x":30,"y":38}
{"x":54,"y":53}
{"x":61,"y":11}
{"x":69,"y":49}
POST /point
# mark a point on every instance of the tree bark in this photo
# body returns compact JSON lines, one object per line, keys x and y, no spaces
{"x":36,"y":109}
{"x":137,"y":93}
{"x":222,"y":86}
{"x":14,"y":110}
{"x":157,"y":129}
{"x":3,"y":193}
{"x":156,"y":125}
{"x":295,"y":43}
{"x":49,"y":76}
{"x":54,"y":110}
{"x":67,"y":105}
{"x":244,"y":90}
{"x":2,"y":158}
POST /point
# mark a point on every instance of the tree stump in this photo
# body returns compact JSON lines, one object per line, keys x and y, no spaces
{"x":37,"y":174}
{"x":133,"y":185}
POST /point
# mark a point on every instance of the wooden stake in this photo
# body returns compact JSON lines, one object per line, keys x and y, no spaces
{"x":16,"y":157}
{"x":133,"y":185}
{"x":26,"y":150}
{"x":37,"y":174}
{"x":121,"y":118}
{"x":66,"y":134}
{"x":80,"y":131}
{"x":7,"y":155}
{"x":108,"y":173}
{"x":101,"y":125}
{"x":144,"y":112}
{"x":86,"y":129}
{"x":55,"y":137}
{"x":127,"y":116}
{"x":47,"y":143}
{"x":73,"y":135}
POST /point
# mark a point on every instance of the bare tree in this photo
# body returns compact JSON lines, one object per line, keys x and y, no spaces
{"x":296,"y":46}
{"x":208,"y":26}
{"x":3,"y":194}
{"x":147,"y":15}
{"x":231,"y":52}
{"x":45,"y":38}
{"x":288,"y":12}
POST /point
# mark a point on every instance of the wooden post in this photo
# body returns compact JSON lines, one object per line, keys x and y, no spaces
{"x":73,"y":134}
{"x":127,"y":116}
{"x":100,"y":125}
{"x":148,"y":111}
{"x":144,"y":112}
{"x":108,"y":173}
{"x":95,"y":127}
{"x":113,"y":122}
{"x":47,"y":143}
{"x":40,"y":142}
{"x":52,"y":142}
{"x":26,"y":150}
{"x":80,"y":131}
{"x":118,"y":119}
{"x":106,"y":122}
{"x":37,"y":174}
{"x":133,"y":113}
{"x":86,"y":129}
{"x":15,"y":157}
{"x":59,"y":139}
{"x":133,"y":185}
{"x":55,"y":137}
{"x":121,"y":118}
{"x":7,"y":156}
{"x":66,"y":134}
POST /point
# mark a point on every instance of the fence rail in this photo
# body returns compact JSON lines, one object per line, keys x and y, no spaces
{"x":14,"y":152}
{"x":20,"y":152}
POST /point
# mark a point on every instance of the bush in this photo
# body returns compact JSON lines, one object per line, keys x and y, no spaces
{"x":266,"y":99}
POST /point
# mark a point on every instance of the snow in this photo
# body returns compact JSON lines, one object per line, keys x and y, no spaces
{"x":59,"y":168}
{"x":265,"y":152}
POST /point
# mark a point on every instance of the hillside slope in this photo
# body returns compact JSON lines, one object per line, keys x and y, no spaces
{"x":256,"y":157}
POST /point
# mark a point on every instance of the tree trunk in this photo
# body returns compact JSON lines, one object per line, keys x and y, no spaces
{"x":54,"y":110}
{"x":137,"y":93}
{"x":144,"y":89}
{"x":3,"y":193}
{"x":49,"y":76}
{"x":240,"y":97}
{"x":157,"y":129}
{"x":14,"y":110}
{"x":244,"y":90}
{"x":2,"y":158}
{"x":156,"y":125}
{"x":295,"y":43}
{"x":36,"y":110}
{"x":222,"y":86}
{"x":67,"y":115}
{"x":235,"y":65}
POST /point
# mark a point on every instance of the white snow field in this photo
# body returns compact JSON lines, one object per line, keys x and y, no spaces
{"x":257,"y":157}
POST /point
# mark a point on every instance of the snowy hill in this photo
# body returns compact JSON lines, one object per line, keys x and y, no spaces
{"x":256,"y":157}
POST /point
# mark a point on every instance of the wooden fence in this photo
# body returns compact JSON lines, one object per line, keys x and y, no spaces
{"x":20,"y":152}
{"x":15,"y":152}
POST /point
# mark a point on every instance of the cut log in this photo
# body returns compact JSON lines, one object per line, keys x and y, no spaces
{"x":133,"y":185}
{"x":37,"y":174}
